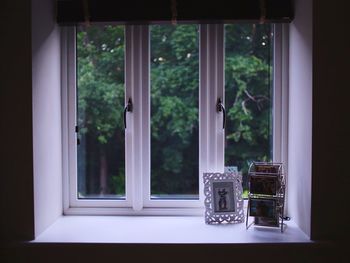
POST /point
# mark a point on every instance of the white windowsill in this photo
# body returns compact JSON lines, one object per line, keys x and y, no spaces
{"x":162,"y":229}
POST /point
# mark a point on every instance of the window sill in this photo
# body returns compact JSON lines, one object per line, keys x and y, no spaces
{"x":162,"y":229}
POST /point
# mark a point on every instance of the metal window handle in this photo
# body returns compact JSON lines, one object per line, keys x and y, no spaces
{"x":77,"y":132}
{"x":128,"y":108}
{"x":220,"y":108}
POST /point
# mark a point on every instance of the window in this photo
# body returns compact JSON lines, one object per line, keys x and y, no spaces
{"x":174,"y":77}
{"x":100,"y":99}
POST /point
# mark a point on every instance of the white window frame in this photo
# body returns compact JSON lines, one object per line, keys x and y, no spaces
{"x":137,"y":136}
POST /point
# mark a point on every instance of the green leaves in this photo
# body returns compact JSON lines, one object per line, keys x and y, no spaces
{"x":248,"y":91}
{"x":100,"y":81}
{"x":174,"y":109}
{"x":175,"y":118}
{"x":174,"y":99}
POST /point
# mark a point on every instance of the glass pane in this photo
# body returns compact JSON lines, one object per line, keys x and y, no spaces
{"x":174,"y":111}
{"x":248,"y":95}
{"x":100,"y":104}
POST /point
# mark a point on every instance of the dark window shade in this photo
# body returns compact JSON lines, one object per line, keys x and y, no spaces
{"x":158,"y":11}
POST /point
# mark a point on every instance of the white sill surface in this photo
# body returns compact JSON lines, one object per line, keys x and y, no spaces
{"x":162,"y":229}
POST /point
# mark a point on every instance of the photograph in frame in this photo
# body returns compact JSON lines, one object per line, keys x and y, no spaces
{"x":266,"y":185}
{"x":223,"y":197}
{"x":267,"y":168}
{"x":260,"y":207}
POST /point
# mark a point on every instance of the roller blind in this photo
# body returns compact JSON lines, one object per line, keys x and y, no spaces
{"x":179,"y":11}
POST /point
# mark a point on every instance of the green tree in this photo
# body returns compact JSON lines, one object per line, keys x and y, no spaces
{"x":100,"y":53}
{"x":174,"y":104}
{"x":174,"y":109}
{"x":248,"y":91}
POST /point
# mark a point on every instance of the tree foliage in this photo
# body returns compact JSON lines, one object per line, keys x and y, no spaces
{"x":174,"y":109}
{"x":100,"y":82}
{"x":248,"y":90}
{"x":174,"y":104}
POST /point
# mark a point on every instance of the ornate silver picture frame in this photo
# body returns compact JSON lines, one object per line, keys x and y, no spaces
{"x":223,"y":198}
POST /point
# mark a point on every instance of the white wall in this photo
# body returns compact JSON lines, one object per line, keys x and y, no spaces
{"x":300,"y":116}
{"x":46,"y":115}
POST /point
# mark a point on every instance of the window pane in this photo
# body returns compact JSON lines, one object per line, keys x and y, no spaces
{"x":248,"y":95}
{"x":100,"y":103}
{"x":174,"y":111}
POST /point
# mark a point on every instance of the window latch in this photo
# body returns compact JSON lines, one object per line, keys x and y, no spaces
{"x":77,"y":131}
{"x":220,"y":108}
{"x":128,"y":108}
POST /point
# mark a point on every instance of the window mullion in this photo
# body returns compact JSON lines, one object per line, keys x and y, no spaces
{"x":285,"y":94}
{"x":70,"y":69}
{"x":277,"y":94}
{"x":211,"y":89}
{"x":137,"y":133}
{"x":281,"y":98}
{"x":68,"y":116}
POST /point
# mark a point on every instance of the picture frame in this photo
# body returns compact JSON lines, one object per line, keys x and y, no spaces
{"x":264,"y":185}
{"x":223,"y":198}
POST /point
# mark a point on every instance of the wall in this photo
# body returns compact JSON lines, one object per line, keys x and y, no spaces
{"x":300,"y":116}
{"x":47,"y":142}
{"x":331,"y":179}
{"x":16,"y":185}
